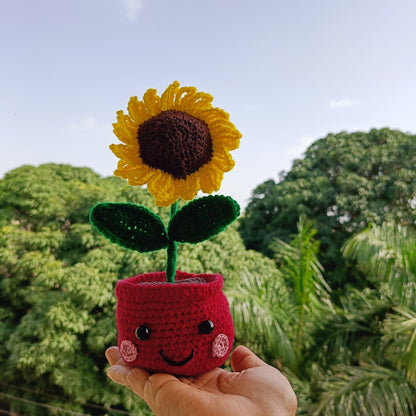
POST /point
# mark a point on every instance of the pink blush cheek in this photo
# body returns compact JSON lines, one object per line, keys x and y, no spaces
{"x":220,"y":346}
{"x":128,"y":351}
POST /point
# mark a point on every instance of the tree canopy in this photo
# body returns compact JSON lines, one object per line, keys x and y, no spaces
{"x":57,"y":278}
{"x":344,"y":182}
{"x":57,"y":302}
{"x":368,"y":345}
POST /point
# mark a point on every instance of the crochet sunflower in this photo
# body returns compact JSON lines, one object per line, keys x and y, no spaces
{"x":177,"y":144}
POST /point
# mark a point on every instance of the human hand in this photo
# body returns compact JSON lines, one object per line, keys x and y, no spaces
{"x":254,"y":388}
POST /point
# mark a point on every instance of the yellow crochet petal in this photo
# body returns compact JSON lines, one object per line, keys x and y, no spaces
{"x":220,"y":127}
{"x":125,"y":153}
{"x":213,"y":114}
{"x":151,"y":102}
{"x":161,"y":187}
{"x":140,"y":175}
{"x":223,"y":160}
{"x":137,"y":111}
{"x":167,"y":99}
{"x":229,"y":142}
{"x":203,"y":101}
{"x":195,"y":103}
{"x":180,"y":101}
{"x":187,"y":96}
{"x":124,"y":129}
{"x":121,"y":170}
{"x":210,"y":179}
{"x":187,"y":189}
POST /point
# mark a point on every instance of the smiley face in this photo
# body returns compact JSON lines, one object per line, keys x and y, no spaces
{"x":186,"y":336}
{"x":219,"y":347}
{"x":161,"y":347}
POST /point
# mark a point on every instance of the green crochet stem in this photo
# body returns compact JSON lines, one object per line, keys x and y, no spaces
{"x":172,"y":251}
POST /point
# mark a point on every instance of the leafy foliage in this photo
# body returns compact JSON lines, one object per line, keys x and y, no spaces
{"x":366,"y":390}
{"x":279,"y":311}
{"x":262,"y":312}
{"x":387,"y":254}
{"x":351,"y":333}
{"x":299,"y":264}
{"x":344,"y":182}
{"x":57,"y":278}
{"x":368,"y":346}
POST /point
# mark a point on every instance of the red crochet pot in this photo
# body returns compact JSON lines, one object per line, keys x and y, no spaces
{"x":182,"y":328}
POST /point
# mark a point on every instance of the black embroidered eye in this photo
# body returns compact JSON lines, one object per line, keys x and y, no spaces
{"x":206,"y":327}
{"x":143,"y":332}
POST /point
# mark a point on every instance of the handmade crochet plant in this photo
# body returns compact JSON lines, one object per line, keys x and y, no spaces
{"x":177,"y":144}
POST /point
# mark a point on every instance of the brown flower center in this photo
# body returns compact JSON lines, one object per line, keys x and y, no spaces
{"x":175,"y":142}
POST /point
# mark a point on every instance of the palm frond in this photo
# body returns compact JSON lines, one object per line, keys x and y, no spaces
{"x":298,"y":263}
{"x":366,"y":390}
{"x":400,"y":333}
{"x":387,"y":253}
{"x":352,"y":332}
{"x":303,"y":388}
{"x":262,"y":312}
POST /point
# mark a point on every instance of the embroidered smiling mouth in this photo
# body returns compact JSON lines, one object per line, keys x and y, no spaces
{"x":177,"y":363}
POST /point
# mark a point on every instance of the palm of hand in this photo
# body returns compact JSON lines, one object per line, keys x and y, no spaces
{"x":254,"y":388}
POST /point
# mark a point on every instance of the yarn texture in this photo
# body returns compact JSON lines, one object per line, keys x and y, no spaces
{"x":203,"y":218}
{"x":177,"y":144}
{"x":129,"y":225}
{"x":172,"y":313}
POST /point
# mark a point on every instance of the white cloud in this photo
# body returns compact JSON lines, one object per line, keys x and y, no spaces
{"x":131,"y":8}
{"x":342,"y":103}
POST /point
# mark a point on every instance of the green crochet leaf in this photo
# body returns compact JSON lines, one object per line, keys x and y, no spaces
{"x":129,"y":225}
{"x":203,"y":218}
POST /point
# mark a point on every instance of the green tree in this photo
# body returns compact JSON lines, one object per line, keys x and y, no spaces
{"x":299,"y":264}
{"x":57,"y":278}
{"x":278,"y":312}
{"x":367,"y":351}
{"x":344,"y":182}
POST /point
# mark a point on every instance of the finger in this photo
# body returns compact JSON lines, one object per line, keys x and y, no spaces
{"x":121,"y":373}
{"x":242,"y":358}
{"x":118,"y":374}
{"x":134,"y":378}
{"x":171,"y":392}
{"x":166,"y":394}
{"x":113,"y":355}
{"x":167,"y":387}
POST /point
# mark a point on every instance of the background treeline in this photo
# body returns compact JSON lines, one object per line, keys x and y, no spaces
{"x":328,"y":294}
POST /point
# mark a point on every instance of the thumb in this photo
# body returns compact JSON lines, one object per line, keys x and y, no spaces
{"x":243,"y":358}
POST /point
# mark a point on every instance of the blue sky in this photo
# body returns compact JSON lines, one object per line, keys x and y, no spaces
{"x":288,"y":72}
